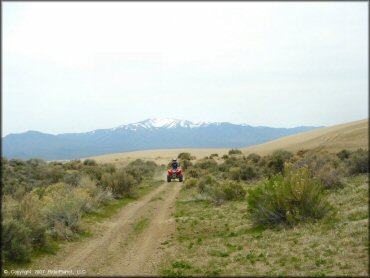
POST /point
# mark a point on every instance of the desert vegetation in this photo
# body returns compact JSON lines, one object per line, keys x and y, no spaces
{"x":44,"y":202}
{"x":273,"y":215}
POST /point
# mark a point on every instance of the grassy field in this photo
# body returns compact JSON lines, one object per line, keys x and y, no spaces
{"x":345,"y":136}
{"x":221,"y":240}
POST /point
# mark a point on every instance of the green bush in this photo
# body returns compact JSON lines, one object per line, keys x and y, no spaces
{"x":193,"y":172}
{"x":330,"y":177}
{"x":63,"y":207}
{"x":326,"y":167}
{"x":233,"y":190}
{"x":358,"y":162}
{"x":190,"y":183}
{"x":206,"y":164}
{"x":30,"y":214}
{"x":185,"y":156}
{"x":277,"y":160}
{"x":90,"y":162}
{"x":205,"y":182}
{"x":288,"y":199}
{"x":253,"y":157}
{"x":16,"y":241}
{"x":185,"y":164}
{"x":235,"y":173}
{"x":220,"y":192}
{"x":213,"y":155}
{"x":235,"y":151}
{"x":119,"y":183}
{"x":139,"y":169}
{"x":343,"y":154}
{"x":248,"y":172}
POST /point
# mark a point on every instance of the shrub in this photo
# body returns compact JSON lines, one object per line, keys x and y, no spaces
{"x":71,"y":178}
{"x":288,"y":199}
{"x":213,"y":155}
{"x":190,"y":183}
{"x":139,"y":169}
{"x":235,"y":173}
{"x":90,"y":162}
{"x":73,"y":165}
{"x":224,"y":191}
{"x":193,"y":172}
{"x":208,"y":164}
{"x":119,"y":183}
{"x":233,"y":190}
{"x":326,"y":167}
{"x":235,"y":151}
{"x":248,"y":172}
{"x":225,"y":156}
{"x":330,"y":177}
{"x":185,"y":156}
{"x":29,"y":213}
{"x":63,"y":209}
{"x":253,"y":157}
{"x":277,"y":160}
{"x":358,"y":162}
{"x":205,"y":182}
{"x":343,"y":154}
{"x":185,"y":164}
{"x":16,"y":241}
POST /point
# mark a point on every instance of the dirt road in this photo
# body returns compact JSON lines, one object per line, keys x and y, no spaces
{"x":127,"y":244}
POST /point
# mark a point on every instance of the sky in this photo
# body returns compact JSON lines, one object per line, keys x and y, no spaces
{"x":77,"y":67}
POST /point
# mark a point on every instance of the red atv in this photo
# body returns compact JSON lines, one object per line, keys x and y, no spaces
{"x":173,"y":174}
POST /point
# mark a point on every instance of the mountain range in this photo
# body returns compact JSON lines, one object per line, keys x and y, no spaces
{"x":144,"y":135}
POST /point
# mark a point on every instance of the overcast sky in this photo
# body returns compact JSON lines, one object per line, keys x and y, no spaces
{"x":75,"y":67}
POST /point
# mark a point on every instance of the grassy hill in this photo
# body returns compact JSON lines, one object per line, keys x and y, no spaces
{"x":349,"y":136}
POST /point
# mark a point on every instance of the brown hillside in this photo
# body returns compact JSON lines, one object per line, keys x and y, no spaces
{"x":349,"y":136}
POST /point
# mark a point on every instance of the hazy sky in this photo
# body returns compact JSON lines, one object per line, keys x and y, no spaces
{"x":74,"y":67}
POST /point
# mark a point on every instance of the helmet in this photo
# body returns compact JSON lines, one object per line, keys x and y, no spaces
{"x":174,"y":159}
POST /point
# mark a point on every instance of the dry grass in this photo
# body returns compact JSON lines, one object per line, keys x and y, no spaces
{"x":220,"y":240}
{"x":345,"y":136}
{"x":158,"y":156}
{"x":350,"y":136}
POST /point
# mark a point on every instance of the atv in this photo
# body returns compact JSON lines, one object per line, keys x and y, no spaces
{"x":173,"y":174}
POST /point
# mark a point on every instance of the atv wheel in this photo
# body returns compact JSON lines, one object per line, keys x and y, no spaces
{"x":181,"y":178}
{"x":168,"y":179}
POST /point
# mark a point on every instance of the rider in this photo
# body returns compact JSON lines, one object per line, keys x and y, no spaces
{"x":174,"y":163}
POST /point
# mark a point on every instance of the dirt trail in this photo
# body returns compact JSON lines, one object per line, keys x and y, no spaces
{"x":116,"y":248}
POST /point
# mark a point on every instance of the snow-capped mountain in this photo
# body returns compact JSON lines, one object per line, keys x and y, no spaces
{"x":162,"y":123}
{"x":144,"y":135}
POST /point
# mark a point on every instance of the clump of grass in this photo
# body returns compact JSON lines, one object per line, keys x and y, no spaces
{"x":140,"y":225}
{"x":288,"y":199}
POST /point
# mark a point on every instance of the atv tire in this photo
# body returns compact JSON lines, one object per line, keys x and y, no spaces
{"x":168,"y":179}
{"x":181,"y":178}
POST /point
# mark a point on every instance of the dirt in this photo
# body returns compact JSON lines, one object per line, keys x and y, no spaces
{"x":116,"y":248}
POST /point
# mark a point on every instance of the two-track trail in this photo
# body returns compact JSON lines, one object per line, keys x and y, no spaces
{"x":116,"y":248}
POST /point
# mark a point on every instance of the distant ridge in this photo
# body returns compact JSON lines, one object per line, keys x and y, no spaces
{"x":349,"y":136}
{"x":144,"y":135}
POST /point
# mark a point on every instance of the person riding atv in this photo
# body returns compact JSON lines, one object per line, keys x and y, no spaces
{"x":174,"y":164}
{"x":175,"y":172}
